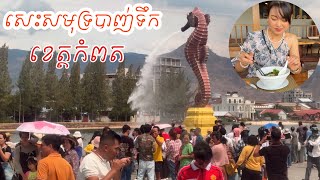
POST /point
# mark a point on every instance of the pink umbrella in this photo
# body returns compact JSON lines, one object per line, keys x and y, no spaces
{"x":43,"y":127}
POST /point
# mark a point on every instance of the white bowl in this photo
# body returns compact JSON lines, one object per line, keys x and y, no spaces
{"x":272,"y":81}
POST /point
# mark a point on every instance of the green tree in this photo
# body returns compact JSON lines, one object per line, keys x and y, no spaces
{"x":137,"y":73}
{"x":130,"y":81}
{"x":284,"y":108}
{"x":64,"y":96}
{"x":5,"y":82}
{"x":122,"y":87}
{"x":51,"y":81}
{"x":14,"y":107}
{"x":173,"y":95}
{"x":39,"y":86}
{"x":75,"y":88}
{"x":118,"y":94}
{"x":25,"y":85}
{"x":95,"y":89}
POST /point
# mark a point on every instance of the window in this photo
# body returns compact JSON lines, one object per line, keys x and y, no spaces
{"x":217,"y":108}
{"x":168,"y":62}
{"x":235,"y":101}
{"x":228,"y":108}
{"x":240,"y":108}
{"x":229,"y":101}
{"x":178,"y":62}
{"x":239,"y":100}
{"x":163,"y":61}
{"x":232,"y":108}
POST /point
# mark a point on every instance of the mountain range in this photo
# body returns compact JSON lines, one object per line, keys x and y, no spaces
{"x":224,"y":79}
{"x":222,"y":76}
{"x":16,"y":58}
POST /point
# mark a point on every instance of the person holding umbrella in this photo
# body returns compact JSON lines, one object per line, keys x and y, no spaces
{"x":25,"y":149}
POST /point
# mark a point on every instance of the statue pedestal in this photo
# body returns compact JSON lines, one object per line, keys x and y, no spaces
{"x":201,"y":117}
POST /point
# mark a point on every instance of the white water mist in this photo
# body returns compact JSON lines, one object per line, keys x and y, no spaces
{"x":142,"y":96}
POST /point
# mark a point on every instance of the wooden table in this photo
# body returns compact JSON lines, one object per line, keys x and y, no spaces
{"x":308,"y":41}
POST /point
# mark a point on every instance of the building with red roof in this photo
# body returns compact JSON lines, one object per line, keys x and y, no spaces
{"x":312,"y":114}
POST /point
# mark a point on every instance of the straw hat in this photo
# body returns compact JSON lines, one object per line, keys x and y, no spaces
{"x":77,"y":134}
{"x":71,"y":138}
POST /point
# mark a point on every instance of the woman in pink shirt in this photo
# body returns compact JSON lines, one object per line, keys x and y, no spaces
{"x":219,"y":152}
{"x":236,"y":136}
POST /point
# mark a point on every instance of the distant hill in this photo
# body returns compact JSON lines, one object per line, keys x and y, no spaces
{"x":17,"y":57}
{"x":313,"y":84}
{"x":222,"y":76}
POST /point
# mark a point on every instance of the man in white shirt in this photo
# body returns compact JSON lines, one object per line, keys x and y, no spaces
{"x":313,"y":149}
{"x":101,"y":163}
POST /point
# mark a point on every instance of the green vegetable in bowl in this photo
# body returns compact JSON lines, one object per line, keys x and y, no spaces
{"x":274,"y":72}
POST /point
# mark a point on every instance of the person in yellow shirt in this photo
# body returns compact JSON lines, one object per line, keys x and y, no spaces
{"x":253,"y":165}
{"x":53,"y":166}
{"x":157,"y":155}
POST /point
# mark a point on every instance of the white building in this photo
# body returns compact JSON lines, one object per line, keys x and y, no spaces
{"x":235,"y":105}
{"x":165,"y":65}
{"x":296,"y":94}
{"x":282,"y":115}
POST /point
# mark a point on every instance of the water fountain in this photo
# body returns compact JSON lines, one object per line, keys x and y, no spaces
{"x":196,"y":52}
{"x":143,"y":95}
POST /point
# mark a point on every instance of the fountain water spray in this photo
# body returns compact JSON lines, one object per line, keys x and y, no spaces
{"x":142,"y":97}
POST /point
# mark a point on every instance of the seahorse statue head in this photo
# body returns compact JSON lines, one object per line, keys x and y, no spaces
{"x":194,"y":17}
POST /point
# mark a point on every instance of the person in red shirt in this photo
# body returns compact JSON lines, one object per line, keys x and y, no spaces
{"x":201,"y":167}
{"x":165,"y":135}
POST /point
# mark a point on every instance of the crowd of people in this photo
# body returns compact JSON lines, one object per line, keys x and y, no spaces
{"x":152,"y":153}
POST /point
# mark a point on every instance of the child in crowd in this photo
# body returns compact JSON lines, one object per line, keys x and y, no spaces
{"x":32,"y":165}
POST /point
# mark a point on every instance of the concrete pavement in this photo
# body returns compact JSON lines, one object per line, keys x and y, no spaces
{"x":297,"y":172}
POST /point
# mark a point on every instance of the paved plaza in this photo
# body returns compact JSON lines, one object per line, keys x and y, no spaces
{"x":297,"y":172}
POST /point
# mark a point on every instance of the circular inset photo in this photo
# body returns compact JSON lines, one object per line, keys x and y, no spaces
{"x":274,"y":46}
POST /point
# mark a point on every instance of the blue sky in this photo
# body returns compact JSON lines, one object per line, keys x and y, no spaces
{"x":223,"y":13}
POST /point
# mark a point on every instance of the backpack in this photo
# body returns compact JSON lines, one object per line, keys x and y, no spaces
{"x":238,"y":149}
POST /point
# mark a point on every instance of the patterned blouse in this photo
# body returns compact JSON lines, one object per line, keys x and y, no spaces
{"x":264,"y":53}
{"x":73,"y":159}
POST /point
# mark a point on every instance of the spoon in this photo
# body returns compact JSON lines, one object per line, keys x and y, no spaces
{"x":254,"y":86}
{"x":284,"y":69}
